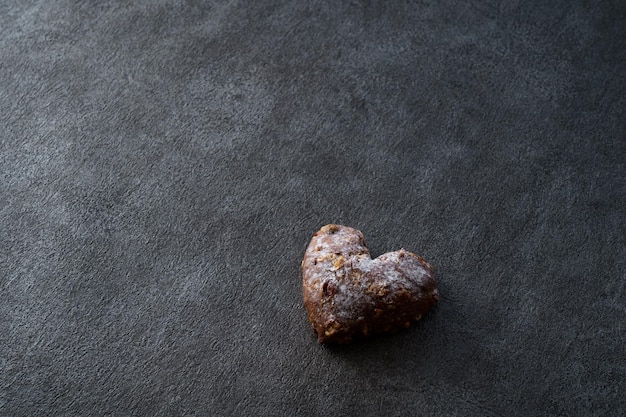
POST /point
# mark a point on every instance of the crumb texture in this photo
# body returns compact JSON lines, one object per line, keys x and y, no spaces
{"x":348,"y":294}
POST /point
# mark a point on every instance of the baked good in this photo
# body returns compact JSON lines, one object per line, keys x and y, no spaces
{"x":347,"y":294}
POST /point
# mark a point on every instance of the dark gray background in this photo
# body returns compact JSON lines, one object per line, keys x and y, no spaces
{"x":163,"y":165}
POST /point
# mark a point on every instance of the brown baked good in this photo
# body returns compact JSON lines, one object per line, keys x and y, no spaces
{"x":348,"y":294}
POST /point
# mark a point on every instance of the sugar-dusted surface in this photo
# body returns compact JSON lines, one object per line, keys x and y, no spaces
{"x":347,"y":294}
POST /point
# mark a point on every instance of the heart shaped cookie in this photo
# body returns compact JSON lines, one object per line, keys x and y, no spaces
{"x":348,"y":294}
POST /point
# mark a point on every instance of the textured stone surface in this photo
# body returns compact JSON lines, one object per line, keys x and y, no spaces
{"x":163,"y":165}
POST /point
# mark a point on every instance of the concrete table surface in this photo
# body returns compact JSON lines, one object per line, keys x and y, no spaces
{"x":163,"y":165}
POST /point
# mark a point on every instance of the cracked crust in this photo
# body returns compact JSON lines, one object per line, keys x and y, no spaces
{"x":348,"y":294}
